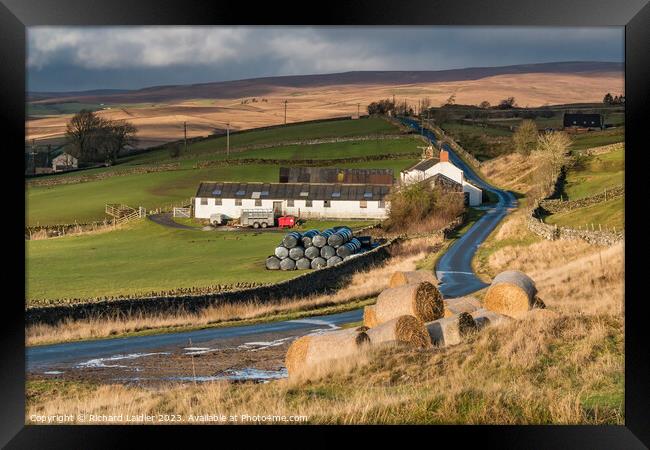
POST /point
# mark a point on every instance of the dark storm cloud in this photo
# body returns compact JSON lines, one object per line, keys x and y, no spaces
{"x":77,"y":58}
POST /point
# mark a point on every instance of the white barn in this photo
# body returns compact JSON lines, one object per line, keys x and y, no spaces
{"x":64,"y":161}
{"x":308,"y":200}
{"x":428,"y":168}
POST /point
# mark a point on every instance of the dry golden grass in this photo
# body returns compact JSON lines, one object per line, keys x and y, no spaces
{"x":164,"y":122}
{"x":363,"y":285}
{"x":500,"y":171}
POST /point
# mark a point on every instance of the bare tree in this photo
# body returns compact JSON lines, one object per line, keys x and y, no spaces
{"x":525,"y":138}
{"x":552,"y":153}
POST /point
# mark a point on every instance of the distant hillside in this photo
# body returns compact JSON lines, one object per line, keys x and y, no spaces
{"x":262,"y":86}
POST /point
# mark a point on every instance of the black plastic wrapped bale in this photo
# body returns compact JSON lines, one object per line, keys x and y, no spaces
{"x":320,"y":240}
{"x":366,"y":241}
{"x":342,"y":235}
{"x":273,"y":263}
{"x":327,"y":252}
{"x":349,"y":248}
{"x":303,"y":263}
{"x":307,"y":237}
{"x":318,"y":263}
{"x":334,"y":260}
{"x":287,"y":264}
{"x":281,"y":252}
{"x":312,"y":252}
{"x":291,"y":239}
{"x":296,"y":253}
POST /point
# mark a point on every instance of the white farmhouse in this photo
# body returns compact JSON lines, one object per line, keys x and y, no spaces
{"x":64,"y":161}
{"x":308,"y":200}
{"x":429,"y":168}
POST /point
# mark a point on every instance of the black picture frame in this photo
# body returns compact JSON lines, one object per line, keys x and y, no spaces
{"x":15,"y":15}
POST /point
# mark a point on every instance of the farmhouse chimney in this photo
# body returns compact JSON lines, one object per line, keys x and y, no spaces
{"x":444,"y":156}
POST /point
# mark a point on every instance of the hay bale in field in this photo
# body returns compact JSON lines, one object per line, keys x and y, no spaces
{"x":296,"y":253}
{"x":458,"y":305}
{"x":318,"y":263}
{"x":287,"y":264}
{"x":303,"y":263}
{"x":273,"y":263}
{"x":401,"y":278}
{"x":422,"y":300}
{"x":281,"y":252}
{"x":312,"y":252}
{"x":369,"y":316}
{"x":450,"y":330}
{"x":327,"y":251}
{"x":291,"y":239}
{"x":313,"y":349}
{"x":485,"y":317}
{"x":511,"y":293}
{"x":333,"y":260}
{"x":403,"y":329}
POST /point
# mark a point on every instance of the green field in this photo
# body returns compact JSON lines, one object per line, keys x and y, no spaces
{"x":85,"y":202}
{"x":145,"y":257}
{"x":597,"y":174}
{"x":607,"y":214}
{"x":591,"y":139}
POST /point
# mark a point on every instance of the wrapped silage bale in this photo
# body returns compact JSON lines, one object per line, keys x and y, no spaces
{"x":307,"y":237}
{"x":303,"y":263}
{"x":340,"y":237}
{"x":320,"y":240}
{"x":327,"y":251}
{"x":287,"y":264}
{"x":349,"y":248}
{"x":312,"y":252}
{"x":318,"y":263}
{"x":273,"y":263}
{"x":292,"y":239}
{"x":333,"y":260}
{"x":296,"y":253}
{"x":281,"y":252}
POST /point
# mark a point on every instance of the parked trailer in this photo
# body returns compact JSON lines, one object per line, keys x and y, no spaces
{"x":257,"y":218}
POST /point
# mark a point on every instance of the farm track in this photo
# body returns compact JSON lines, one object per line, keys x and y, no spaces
{"x":453,"y":270}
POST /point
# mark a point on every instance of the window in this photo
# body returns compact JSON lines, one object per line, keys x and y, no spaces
{"x":238,"y":202}
{"x":382,"y":204}
{"x":363,"y":203}
{"x":307,"y":203}
{"x":258,"y":202}
{"x":204,"y":201}
{"x":217,"y":201}
{"x":290,"y":203}
{"x":326,"y":204}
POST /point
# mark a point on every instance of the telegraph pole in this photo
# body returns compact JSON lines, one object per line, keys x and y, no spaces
{"x":228,"y":140}
{"x":184,"y":137}
{"x":358,"y":113}
{"x":285,"y":111}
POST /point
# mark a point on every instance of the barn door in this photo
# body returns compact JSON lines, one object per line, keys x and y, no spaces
{"x":277,"y":208}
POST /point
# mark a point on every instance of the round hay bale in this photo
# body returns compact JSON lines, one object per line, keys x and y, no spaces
{"x":458,"y":305}
{"x":311,"y":350}
{"x":273,"y":263}
{"x":303,"y":263}
{"x":288,"y":264}
{"x":511,"y":293}
{"x":281,"y":252}
{"x":291,"y":239}
{"x":296,"y":253}
{"x":450,"y":330}
{"x":485,"y":317}
{"x":401,"y":278}
{"x":369,"y":316}
{"x":422,"y":300}
{"x":312,"y":252}
{"x":307,"y":237}
{"x":318,"y":263}
{"x":407,"y":330}
{"x":333,"y":260}
{"x":320,"y":240}
{"x":327,"y":251}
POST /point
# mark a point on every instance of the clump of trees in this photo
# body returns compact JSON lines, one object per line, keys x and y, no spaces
{"x":381,"y":107}
{"x":422,"y":207}
{"x":507,"y":103}
{"x":91,"y":138}
{"x":524,"y":140}
{"x":613,"y":100}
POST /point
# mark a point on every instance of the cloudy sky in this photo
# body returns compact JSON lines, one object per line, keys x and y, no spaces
{"x":80,"y":58}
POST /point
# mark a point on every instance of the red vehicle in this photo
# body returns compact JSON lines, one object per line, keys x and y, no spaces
{"x":286,"y":221}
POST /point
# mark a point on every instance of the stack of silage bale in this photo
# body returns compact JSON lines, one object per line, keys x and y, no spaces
{"x":412,"y":311}
{"x":314,"y":249}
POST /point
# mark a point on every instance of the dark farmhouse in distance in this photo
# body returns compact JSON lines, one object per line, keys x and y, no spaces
{"x":334,"y":175}
{"x":580,"y":120}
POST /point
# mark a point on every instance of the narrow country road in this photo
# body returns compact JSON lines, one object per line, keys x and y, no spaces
{"x":454,"y":271}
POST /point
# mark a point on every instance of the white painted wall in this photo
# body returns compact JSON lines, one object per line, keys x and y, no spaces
{"x":338,"y":209}
{"x":450,"y":171}
{"x":475,"y":194}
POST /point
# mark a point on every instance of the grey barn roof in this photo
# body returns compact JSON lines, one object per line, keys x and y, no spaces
{"x":293,"y":191}
{"x":425,"y":164}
